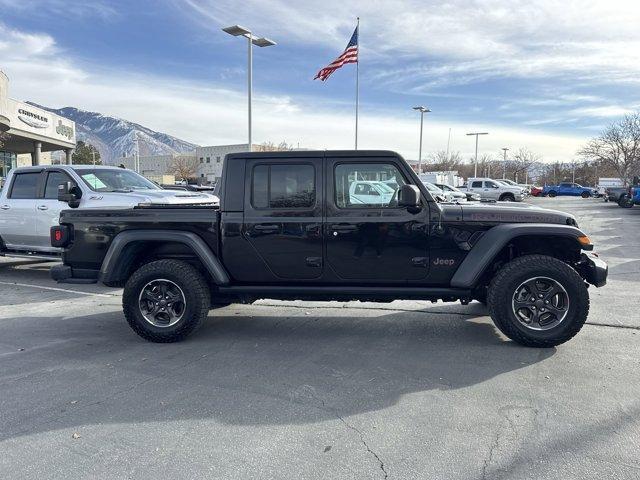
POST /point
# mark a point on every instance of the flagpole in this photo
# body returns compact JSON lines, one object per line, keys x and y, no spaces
{"x":357,"y":80}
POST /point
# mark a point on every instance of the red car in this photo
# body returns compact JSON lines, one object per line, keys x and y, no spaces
{"x":536,"y":191}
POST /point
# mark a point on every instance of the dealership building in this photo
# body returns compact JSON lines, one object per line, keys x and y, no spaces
{"x":28,"y":134}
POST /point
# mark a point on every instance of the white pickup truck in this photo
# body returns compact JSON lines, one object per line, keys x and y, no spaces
{"x":30,"y":205}
{"x":490,"y":189}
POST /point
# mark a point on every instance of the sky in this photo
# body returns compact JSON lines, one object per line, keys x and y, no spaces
{"x":546,"y":75}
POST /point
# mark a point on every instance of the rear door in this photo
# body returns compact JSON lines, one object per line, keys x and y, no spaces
{"x":18,"y":210}
{"x":476,"y":187}
{"x":283,"y":217}
{"x":48,"y":208}
{"x":376,"y":242}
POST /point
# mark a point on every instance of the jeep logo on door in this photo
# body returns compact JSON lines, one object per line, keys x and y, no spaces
{"x":447,"y":262}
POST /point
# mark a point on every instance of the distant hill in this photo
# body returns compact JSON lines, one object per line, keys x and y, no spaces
{"x":115,"y":138}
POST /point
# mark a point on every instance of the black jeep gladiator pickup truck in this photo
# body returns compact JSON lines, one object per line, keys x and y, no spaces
{"x":333,"y":225}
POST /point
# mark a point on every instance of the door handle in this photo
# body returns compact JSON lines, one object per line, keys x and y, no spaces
{"x":5,"y":207}
{"x":43,"y":207}
{"x":343,"y":228}
{"x":266,"y":228}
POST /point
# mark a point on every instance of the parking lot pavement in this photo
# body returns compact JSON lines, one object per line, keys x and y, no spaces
{"x":321,"y":390}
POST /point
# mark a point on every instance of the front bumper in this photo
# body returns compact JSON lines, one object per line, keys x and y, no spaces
{"x":594,"y":270}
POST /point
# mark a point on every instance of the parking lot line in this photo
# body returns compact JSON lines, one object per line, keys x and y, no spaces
{"x":55,"y":289}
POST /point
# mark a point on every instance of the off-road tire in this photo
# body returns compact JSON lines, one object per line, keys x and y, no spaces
{"x":188,"y":279}
{"x":507,"y":197}
{"x":625,"y":202}
{"x":507,"y":280}
{"x":552,"y":193}
{"x":585,"y":195}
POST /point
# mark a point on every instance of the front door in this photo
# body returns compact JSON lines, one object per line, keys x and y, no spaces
{"x":49,"y":207}
{"x":283,"y":218}
{"x":369,"y":239}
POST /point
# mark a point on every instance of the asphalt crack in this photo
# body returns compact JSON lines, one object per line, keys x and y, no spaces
{"x":360,"y":434}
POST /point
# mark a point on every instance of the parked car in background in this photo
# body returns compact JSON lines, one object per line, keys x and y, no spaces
{"x":456,"y":195}
{"x":569,"y":189}
{"x":631,"y":198}
{"x":525,"y":187}
{"x":615,"y":194}
{"x":30,"y":202}
{"x":536,"y":191}
{"x":367,"y":192}
{"x":438,"y":193}
{"x":489,"y":189}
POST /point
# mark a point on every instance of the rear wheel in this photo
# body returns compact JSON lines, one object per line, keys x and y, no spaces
{"x":166,"y":300}
{"x":507,"y":197}
{"x":538,"y":301}
{"x":552,"y":193}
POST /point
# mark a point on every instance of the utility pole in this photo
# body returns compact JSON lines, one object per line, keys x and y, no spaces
{"x":475,"y":167}
{"x":93,"y":154}
{"x":422,"y":111}
{"x":448,"y":143}
{"x":504,"y":165}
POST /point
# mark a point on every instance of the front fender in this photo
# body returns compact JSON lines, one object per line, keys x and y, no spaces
{"x":494,"y":240}
{"x":115,"y":261}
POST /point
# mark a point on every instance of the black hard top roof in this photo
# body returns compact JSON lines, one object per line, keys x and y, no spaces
{"x":315,"y":154}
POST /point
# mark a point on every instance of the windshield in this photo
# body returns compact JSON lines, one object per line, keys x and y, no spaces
{"x":384,"y":187}
{"x":432,"y":188}
{"x":114,"y":180}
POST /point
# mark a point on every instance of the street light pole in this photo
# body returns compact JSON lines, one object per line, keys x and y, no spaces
{"x":477,"y":134}
{"x":422,"y":111}
{"x":238,"y":31}
{"x":504,"y":165}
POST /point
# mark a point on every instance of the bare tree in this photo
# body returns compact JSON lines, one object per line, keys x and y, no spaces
{"x":272,"y":147}
{"x":184,"y":168}
{"x":444,"y":161}
{"x":3,"y":137}
{"x":618,"y":147}
{"x":522,"y":161}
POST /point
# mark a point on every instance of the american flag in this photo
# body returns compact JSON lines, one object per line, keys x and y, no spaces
{"x":350,"y":55}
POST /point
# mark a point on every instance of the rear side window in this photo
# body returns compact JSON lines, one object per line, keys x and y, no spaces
{"x":283,"y":186}
{"x":476,"y":184}
{"x":25,"y":185}
{"x":53,"y":180}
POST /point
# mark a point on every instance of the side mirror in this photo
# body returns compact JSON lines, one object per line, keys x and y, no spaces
{"x":69,"y":193}
{"x":496,"y":186}
{"x":409,"y":196}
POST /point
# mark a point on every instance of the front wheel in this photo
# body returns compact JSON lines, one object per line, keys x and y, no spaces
{"x":538,"y":301}
{"x":585,"y":195}
{"x":166,"y":300}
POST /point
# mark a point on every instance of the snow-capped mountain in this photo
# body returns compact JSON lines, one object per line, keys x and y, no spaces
{"x":115,"y":138}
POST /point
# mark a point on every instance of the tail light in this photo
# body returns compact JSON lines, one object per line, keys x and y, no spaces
{"x":60,"y":236}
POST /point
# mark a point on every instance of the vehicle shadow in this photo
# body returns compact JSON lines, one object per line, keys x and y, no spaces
{"x":249,"y":365}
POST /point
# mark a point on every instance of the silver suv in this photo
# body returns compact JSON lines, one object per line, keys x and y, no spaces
{"x":489,"y":189}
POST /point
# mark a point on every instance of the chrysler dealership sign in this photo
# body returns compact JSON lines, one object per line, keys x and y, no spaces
{"x":33,"y":119}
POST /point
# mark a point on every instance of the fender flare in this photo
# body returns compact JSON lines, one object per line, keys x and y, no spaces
{"x":113,"y":268}
{"x":495,"y":239}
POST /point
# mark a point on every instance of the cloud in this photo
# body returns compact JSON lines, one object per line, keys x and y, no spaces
{"x":46,"y":8}
{"x":428,"y":44}
{"x":206,"y":114}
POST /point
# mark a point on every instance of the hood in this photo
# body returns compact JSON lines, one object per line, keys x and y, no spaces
{"x":507,"y":212}
{"x":154,"y":197}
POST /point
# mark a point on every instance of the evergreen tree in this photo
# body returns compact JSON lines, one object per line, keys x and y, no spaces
{"x":84,"y":154}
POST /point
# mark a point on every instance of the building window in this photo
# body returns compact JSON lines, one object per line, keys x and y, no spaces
{"x":201,"y":160}
{"x":208,"y":159}
{"x":218,"y":159}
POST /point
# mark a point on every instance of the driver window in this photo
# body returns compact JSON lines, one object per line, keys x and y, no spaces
{"x":364,"y":185}
{"x":53,"y":180}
